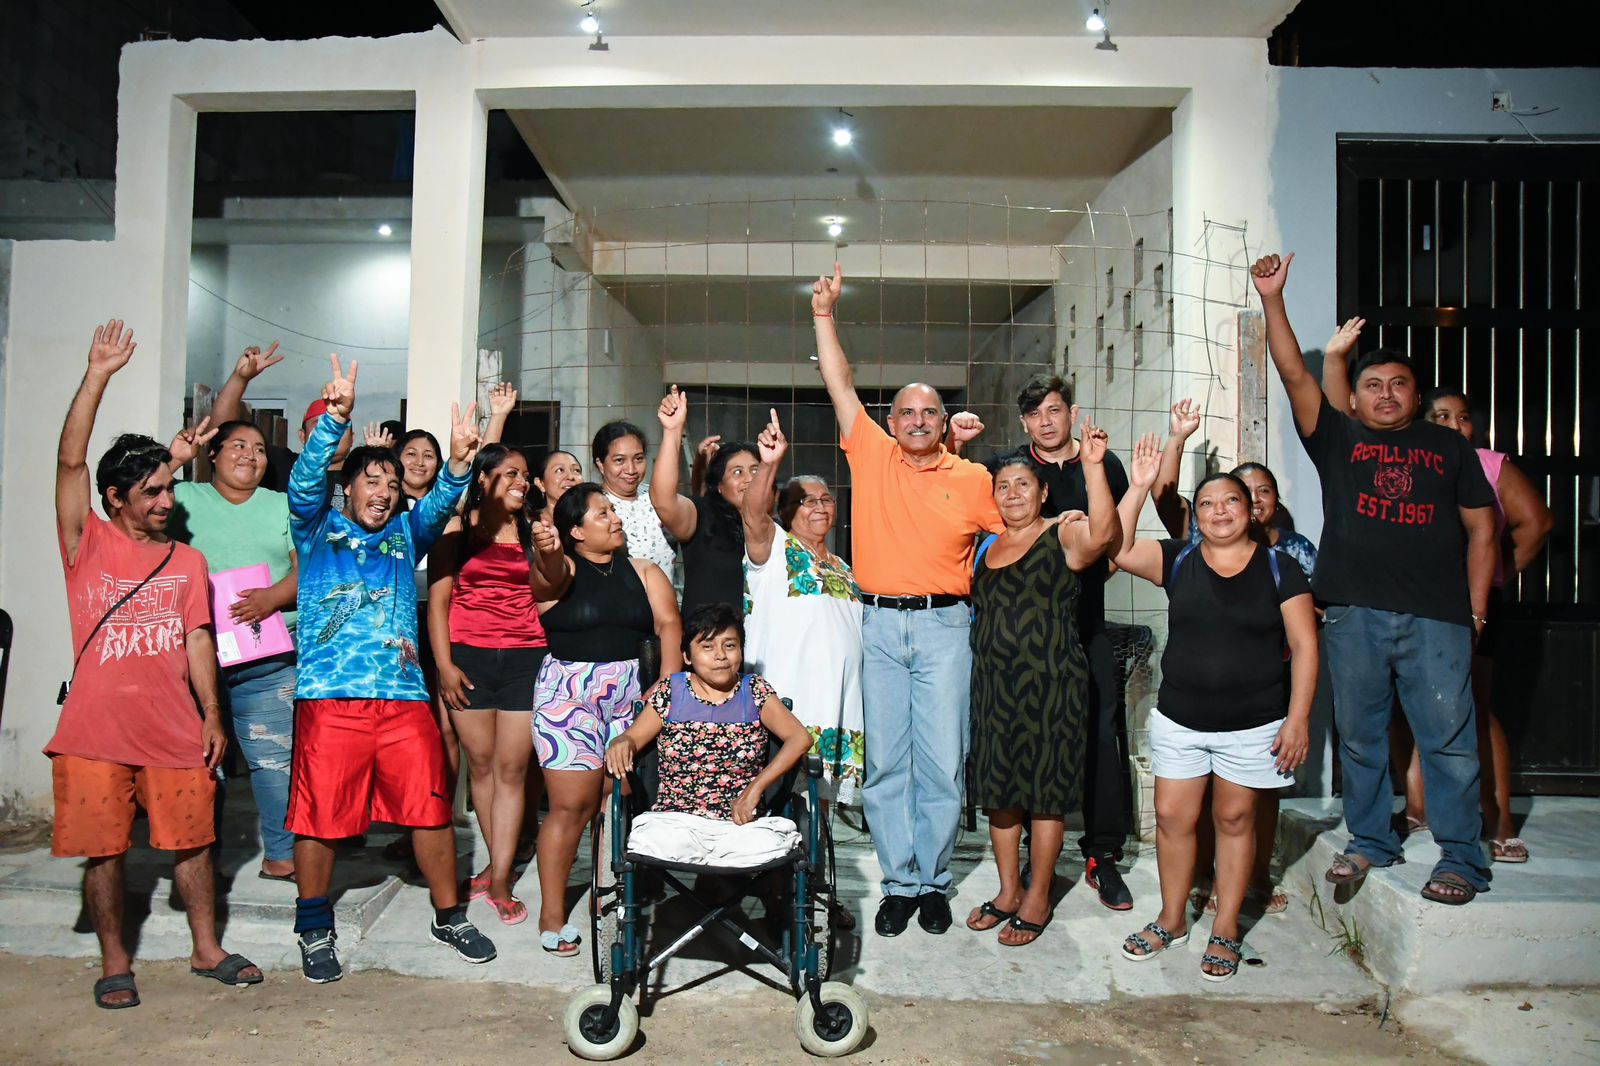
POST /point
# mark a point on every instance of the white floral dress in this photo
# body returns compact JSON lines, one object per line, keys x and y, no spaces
{"x":803,"y":634}
{"x":641,"y":527}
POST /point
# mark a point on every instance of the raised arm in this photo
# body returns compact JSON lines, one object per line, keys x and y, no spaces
{"x":964,"y":428}
{"x":703,"y":454}
{"x":1528,"y":519}
{"x":1086,"y":542}
{"x":1171,"y":507}
{"x":762,"y":495}
{"x":109,"y":352}
{"x":836,"y":373}
{"x":308,"y":481}
{"x":550,"y":572}
{"x":1269,"y":274}
{"x":1141,"y":558}
{"x":229,"y":403}
{"x":676,"y":512}
{"x":1336,"y":363}
{"x":432,"y":513}
{"x":187,"y":444}
{"x":502,"y":402}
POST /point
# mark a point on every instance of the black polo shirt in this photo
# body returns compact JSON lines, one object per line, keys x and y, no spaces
{"x":1068,"y":493}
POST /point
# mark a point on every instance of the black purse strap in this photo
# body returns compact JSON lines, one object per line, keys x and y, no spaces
{"x":172,"y":546}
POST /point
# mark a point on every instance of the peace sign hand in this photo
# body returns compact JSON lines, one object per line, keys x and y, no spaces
{"x":340,"y":393}
{"x":187,"y":444}
{"x":254,"y":361}
{"x":464,"y":437}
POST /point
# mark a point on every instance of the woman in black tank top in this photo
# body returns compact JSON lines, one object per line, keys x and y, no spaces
{"x":597,"y":613}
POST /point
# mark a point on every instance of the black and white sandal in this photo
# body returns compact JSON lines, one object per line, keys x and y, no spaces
{"x":1148,"y":950}
{"x":1231,"y":966}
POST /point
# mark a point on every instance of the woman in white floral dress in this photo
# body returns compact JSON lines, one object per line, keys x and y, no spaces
{"x":619,"y":456}
{"x":803,"y":612}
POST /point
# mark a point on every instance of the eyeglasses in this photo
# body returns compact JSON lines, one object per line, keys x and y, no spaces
{"x":814,"y":502}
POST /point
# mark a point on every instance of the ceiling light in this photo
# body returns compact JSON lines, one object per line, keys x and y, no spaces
{"x":589,"y":24}
{"x":842,"y":136}
{"x":384,"y":229}
{"x":835,"y":228}
{"x":1094,"y":23}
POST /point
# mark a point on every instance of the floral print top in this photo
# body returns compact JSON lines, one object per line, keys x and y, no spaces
{"x":709,"y":751}
{"x":817,"y":575}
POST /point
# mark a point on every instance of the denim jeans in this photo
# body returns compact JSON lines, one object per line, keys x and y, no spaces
{"x":1372,"y":655}
{"x":261,"y":698}
{"x":916,"y":686}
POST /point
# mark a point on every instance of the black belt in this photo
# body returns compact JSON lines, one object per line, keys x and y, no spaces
{"x":912,"y":603}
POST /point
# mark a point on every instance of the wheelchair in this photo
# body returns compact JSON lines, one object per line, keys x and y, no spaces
{"x":602,"y":1021}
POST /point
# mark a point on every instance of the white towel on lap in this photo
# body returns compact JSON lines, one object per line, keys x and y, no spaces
{"x":692,"y":838}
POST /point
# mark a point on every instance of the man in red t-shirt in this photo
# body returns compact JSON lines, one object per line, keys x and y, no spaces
{"x":130,"y":734}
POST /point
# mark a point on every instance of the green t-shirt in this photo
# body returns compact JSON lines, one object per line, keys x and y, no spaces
{"x":232,"y":535}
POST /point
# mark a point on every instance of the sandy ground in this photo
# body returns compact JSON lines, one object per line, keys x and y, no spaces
{"x":378,"y":1016}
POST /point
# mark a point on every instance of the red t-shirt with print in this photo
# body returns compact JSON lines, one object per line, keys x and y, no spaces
{"x":130,"y":700}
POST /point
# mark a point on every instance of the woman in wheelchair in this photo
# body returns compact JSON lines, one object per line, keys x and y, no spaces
{"x":710,"y":726}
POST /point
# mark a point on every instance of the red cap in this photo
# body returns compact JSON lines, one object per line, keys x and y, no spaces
{"x":317,"y":409}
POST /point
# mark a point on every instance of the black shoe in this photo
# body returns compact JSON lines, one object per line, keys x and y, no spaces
{"x":463,"y":937}
{"x":933,"y":912}
{"x":894,"y":914}
{"x":317,"y":959}
{"x":1102,"y":875}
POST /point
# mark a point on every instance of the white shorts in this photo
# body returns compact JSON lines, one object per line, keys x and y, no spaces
{"x":1243,"y":757}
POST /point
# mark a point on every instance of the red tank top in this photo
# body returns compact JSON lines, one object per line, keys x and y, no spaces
{"x":492,"y":606}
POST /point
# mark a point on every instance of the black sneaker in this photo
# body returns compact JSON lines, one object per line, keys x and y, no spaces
{"x":463,"y":937}
{"x":1102,"y":875}
{"x":317,"y":959}
{"x":894,"y":914}
{"x":933,"y":912}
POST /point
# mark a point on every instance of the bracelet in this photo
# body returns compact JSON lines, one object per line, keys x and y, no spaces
{"x":822,"y":314}
{"x":1480,"y":621}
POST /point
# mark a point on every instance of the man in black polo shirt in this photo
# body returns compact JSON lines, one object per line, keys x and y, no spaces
{"x":1048,"y":415}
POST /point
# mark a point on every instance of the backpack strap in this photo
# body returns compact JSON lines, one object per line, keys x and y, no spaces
{"x":1272,"y":562}
{"x":1172,"y":574}
{"x":983,"y":548}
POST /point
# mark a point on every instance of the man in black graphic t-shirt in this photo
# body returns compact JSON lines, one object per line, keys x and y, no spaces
{"x":1404,"y":566}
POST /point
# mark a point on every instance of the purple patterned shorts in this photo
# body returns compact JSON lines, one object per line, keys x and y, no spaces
{"x":579,"y":708}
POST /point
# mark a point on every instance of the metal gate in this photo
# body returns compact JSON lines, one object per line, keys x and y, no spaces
{"x":1473,"y":259}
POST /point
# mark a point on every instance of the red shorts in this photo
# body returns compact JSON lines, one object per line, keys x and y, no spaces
{"x":360,"y":761}
{"x":95,"y":804}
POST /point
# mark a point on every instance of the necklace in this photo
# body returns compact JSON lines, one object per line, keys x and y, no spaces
{"x":612,"y":565}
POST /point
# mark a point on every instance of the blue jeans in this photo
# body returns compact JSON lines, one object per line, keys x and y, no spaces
{"x":916,"y":685}
{"x":1372,"y":655}
{"x":261,"y":697}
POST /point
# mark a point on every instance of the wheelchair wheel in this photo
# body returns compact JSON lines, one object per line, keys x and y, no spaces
{"x":588,"y":1036}
{"x":605,"y":896}
{"x":838,"y":1029}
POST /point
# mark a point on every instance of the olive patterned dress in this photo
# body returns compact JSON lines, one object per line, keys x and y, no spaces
{"x":1030,"y":683}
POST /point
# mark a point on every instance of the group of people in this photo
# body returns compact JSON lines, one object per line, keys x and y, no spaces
{"x":965,"y":651}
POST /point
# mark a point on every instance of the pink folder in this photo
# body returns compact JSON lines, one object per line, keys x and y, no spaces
{"x":242,"y":643}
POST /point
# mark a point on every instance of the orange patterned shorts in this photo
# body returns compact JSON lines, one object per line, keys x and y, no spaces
{"x":95,"y":804}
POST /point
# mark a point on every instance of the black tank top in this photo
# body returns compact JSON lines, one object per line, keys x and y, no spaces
{"x":603,"y":616}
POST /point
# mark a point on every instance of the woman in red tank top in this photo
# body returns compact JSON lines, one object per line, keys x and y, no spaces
{"x":488,"y":646}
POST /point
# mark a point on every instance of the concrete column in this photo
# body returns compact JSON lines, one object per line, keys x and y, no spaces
{"x":446,"y":251}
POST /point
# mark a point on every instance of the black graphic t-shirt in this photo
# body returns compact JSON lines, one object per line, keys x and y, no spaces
{"x":1067,"y":492}
{"x":1391,"y":535}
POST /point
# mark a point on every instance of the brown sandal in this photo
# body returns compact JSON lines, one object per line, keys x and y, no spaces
{"x":1452,"y":890}
{"x":1346,"y":869}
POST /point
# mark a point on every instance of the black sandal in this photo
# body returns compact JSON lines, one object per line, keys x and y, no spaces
{"x":1231,"y":966}
{"x":1463,"y":893}
{"x":1022,"y":925}
{"x":228,"y":970}
{"x":117,"y":982}
{"x":989,"y":910}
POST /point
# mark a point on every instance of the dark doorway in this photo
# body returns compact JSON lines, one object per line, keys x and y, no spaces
{"x":1473,"y":258}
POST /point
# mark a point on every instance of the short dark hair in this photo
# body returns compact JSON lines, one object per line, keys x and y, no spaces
{"x":609,"y":434}
{"x":362,"y":459}
{"x":1037,"y":388}
{"x":571,"y":508}
{"x":395,"y":428}
{"x":708,"y":621}
{"x":1444,"y":392}
{"x":1379,"y":357}
{"x":1220,"y":475}
{"x":1247,"y":468}
{"x":131,"y":458}
{"x":226,"y":431}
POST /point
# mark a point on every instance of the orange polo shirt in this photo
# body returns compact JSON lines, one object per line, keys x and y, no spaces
{"x":912,"y":530}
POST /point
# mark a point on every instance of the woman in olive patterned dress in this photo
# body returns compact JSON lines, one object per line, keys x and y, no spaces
{"x":1030,"y":680}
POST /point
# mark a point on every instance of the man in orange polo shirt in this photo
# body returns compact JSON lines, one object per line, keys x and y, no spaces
{"x":917,"y":509}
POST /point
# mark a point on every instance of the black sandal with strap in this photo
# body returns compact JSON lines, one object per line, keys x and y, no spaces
{"x":1150,"y":950}
{"x":1022,"y":925}
{"x":117,"y":982}
{"x":987,"y":909}
{"x":1231,"y":966}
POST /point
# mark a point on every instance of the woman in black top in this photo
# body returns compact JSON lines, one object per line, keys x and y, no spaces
{"x":708,"y":527}
{"x":1231,"y":714}
{"x":597,"y":606}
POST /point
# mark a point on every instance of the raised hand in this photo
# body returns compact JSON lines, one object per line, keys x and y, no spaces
{"x":340,"y":393}
{"x":1185,"y":419}
{"x":1344,"y":338}
{"x":546,"y":541}
{"x":708,"y":447}
{"x":674,"y":410}
{"x":254,"y":361}
{"x":1145,"y":463}
{"x":502,"y":399}
{"x":1093,"y":444}
{"x":825,"y":292}
{"x":965,"y":426}
{"x":111,"y":348}
{"x":464,"y":435}
{"x":771,"y":444}
{"x":187,"y":444}
{"x":378,"y":437}
{"x":1269,"y":274}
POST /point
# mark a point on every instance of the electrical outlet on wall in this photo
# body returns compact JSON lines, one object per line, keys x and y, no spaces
{"x":1500,"y":100}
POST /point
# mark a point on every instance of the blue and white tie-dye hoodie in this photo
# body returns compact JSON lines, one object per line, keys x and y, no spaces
{"x":357,"y":599}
